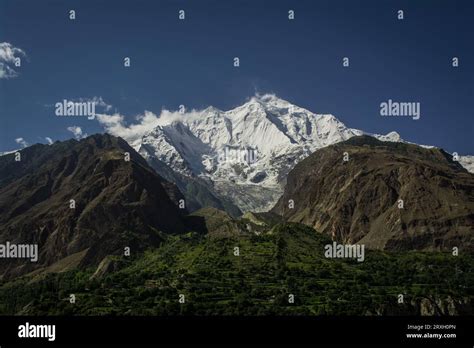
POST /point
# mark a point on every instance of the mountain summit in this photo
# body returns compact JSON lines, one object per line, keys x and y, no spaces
{"x":241,"y":156}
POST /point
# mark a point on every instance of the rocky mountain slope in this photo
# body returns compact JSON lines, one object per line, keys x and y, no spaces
{"x":118,"y":203}
{"x":358,"y":200}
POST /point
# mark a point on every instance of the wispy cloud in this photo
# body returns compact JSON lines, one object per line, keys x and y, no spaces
{"x":115,"y":124}
{"x":49,"y":140}
{"x":77,"y":131}
{"x":102,"y":103}
{"x":99,"y":102}
{"x":132,"y":132}
{"x":21,"y":142}
{"x":8,"y":57}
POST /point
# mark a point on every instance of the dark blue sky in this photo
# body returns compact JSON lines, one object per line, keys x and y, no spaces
{"x":190,"y":62}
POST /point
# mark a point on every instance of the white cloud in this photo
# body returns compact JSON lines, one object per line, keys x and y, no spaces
{"x":77,"y":131}
{"x":21,"y":142}
{"x":115,"y":124}
{"x":49,"y":140}
{"x":8,"y":56}
{"x":6,"y":72}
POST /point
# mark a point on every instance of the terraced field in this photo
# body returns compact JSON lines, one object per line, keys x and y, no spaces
{"x":288,"y":260}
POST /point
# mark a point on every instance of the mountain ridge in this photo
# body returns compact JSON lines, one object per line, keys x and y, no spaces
{"x":385,"y":195}
{"x":83,"y":198}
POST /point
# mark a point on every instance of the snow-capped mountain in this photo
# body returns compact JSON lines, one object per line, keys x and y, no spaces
{"x":244,"y":154}
{"x":467,"y":162}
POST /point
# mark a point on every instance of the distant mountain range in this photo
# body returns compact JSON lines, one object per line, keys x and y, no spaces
{"x":288,"y":153}
{"x":200,"y":153}
{"x":238,"y":160}
{"x":120,"y":203}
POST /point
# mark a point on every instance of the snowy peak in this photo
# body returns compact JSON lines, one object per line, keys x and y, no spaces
{"x":392,"y":136}
{"x":245,"y":153}
{"x":272,"y":103}
{"x":281,"y":124}
{"x":467,"y":162}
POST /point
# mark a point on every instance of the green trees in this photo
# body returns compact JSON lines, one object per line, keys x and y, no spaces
{"x":258,"y":282}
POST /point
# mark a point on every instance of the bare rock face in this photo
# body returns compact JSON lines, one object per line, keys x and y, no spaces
{"x":75,"y":196}
{"x":386,"y":195}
